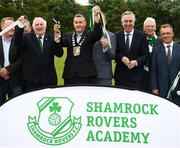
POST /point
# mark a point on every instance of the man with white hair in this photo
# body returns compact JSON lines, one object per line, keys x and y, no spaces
{"x":153,"y":39}
{"x":39,"y":49}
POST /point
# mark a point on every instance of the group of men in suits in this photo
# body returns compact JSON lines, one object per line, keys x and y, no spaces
{"x":89,"y":56}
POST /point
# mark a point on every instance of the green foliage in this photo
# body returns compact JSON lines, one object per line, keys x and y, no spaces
{"x":164,"y":11}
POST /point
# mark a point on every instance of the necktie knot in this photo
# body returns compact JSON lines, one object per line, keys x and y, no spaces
{"x":168,"y":46}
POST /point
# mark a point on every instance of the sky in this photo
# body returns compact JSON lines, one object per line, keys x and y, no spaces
{"x":82,"y":2}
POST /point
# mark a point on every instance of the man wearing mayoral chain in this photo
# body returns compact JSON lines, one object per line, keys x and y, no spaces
{"x":79,"y":67}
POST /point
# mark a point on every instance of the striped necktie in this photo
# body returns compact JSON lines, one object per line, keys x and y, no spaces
{"x":168,"y":54}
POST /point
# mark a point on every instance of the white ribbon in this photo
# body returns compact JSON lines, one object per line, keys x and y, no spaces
{"x":16,"y":23}
{"x":173,"y":85}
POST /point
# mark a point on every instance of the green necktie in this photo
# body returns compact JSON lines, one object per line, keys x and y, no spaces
{"x":40,"y":43}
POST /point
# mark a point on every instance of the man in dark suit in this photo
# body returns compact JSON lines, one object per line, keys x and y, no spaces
{"x":79,"y":67}
{"x":39,"y":49}
{"x":165,"y":64}
{"x":131,"y":54}
{"x":10,"y":64}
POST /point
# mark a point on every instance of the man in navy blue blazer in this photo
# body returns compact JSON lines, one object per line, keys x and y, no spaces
{"x":165,"y":64}
{"x":131,"y":54}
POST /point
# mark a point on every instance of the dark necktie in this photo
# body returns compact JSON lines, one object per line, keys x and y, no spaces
{"x":169,"y":54}
{"x":40,"y":43}
{"x":127,"y":41}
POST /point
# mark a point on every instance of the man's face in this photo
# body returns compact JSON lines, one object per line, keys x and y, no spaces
{"x":149,"y":28}
{"x":128,"y":23}
{"x":79,"y":24}
{"x":39,"y":27}
{"x":4,"y":25}
{"x":166,"y":35}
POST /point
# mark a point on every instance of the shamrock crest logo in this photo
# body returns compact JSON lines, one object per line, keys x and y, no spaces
{"x":54,"y":124}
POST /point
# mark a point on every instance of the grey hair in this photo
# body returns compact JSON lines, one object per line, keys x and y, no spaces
{"x":128,"y":13}
{"x":80,"y":15}
{"x":149,"y":19}
{"x":40,"y":18}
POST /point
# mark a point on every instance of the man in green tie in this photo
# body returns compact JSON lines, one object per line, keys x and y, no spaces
{"x":38,"y":68}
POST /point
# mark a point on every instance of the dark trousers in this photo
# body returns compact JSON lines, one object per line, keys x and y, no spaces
{"x":29,"y":86}
{"x":129,"y":84}
{"x":8,"y":90}
{"x":77,"y":80}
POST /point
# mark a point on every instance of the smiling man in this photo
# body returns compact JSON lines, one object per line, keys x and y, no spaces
{"x":131,"y":53}
{"x":165,"y":64}
{"x":79,"y":67}
{"x":39,"y":48}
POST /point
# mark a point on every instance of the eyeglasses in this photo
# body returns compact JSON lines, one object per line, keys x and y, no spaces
{"x":165,"y":33}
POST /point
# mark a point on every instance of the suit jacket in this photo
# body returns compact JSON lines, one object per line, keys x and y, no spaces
{"x":37,"y":66}
{"x":15,"y":59}
{"x":82,"y":65}
{"x":138,"y":51}
{"x":102,"y":59}
{"x":160,"y":75}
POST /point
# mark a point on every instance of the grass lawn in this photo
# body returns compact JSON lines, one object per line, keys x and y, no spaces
{"x":59,"y":64}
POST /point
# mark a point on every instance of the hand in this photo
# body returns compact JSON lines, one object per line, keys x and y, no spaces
{"x":132,"y":64}
{"x":155,"y":91}
{"x":57,"y":27}
{"x":3,"y":72}
{"x":104,"y":42}
{"x":57,"y":32}
{"x":126,"y":61}
{"x":6,"y":77}
{"x":22,"y":21}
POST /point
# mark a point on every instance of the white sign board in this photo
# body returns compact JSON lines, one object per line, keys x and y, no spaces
{"x":87,"y":116}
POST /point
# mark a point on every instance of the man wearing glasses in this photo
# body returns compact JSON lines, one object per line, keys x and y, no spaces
{"x":165,"y":65}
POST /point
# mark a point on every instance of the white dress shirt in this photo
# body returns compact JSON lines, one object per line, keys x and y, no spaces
{"x":130,"y":37}
{"x":6,"y":47}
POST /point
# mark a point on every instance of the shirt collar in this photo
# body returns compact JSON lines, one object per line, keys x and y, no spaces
{"x":42,"y":36}
{"x":79,"y":34}
{"x":6,"y":39}
{"x":155,"y":36}
{"x":131,"y":33}
{"x":171,"y":44}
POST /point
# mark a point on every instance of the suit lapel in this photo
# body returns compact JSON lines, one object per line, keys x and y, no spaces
{"x":173,"y":53}
{"x":83,"y":35}
{"x":163,"y":53}
{"x":122,"y":41}
{"x":133,"y":40}
{"x":35,"y":41}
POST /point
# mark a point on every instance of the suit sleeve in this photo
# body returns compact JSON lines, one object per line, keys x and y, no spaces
{"x":19,"y":39}
{"x":110,"y":52}
{"x":118,"y":55}
{"x":97,"y":33}
{"x":58,"y":50}
{"x":144,"y":51}
{"x":153,"y":69}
